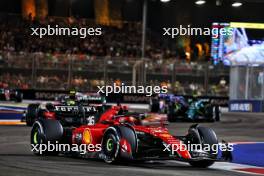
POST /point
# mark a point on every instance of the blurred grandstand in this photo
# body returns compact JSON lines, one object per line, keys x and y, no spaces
{"x":64,"y":62}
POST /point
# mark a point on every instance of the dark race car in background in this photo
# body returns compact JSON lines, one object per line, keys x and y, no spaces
{"x":123,"y":135}
{"x":69,"y":103}
{"x":10,"y":95}
{"x":179,"y":108}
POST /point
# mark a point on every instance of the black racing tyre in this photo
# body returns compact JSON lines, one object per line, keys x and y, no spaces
{"x":32,"y":114}
{"x":39,"y":137}
{"x":36,"y":139}
{"x":110,"y":147}
{"x":207,"y":136}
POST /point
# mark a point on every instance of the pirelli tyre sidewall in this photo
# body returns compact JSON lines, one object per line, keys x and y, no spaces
{"x":37,"y":138}
{"x":44,"y":131}
{"x":110,"y":145}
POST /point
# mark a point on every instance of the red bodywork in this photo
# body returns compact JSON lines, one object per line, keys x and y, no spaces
{"x":146,"y":126}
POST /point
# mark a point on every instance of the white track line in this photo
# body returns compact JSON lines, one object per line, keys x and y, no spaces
{"x":9,"y":120}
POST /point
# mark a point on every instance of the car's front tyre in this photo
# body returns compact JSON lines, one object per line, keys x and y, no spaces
{"x":110,"y":147}
{"x":204,"y":136}
{"x":43,"y":134}
{"x":36,"y":139}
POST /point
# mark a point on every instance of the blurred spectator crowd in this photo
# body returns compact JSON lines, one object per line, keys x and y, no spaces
{"x":49,"y":63}
{"x":116,"y":42}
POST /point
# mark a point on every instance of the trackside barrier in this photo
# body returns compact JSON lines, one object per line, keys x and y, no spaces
{"x":38,"y":94}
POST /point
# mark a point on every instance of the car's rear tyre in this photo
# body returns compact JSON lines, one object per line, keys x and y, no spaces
{"x":110,"y":147}
{"x":207,"y":136}
{"x":32,"y":114}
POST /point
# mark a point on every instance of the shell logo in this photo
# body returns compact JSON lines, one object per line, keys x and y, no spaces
{"x":87,"y":137}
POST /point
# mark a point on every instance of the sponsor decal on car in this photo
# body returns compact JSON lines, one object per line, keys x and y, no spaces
{"x":74,"y":108}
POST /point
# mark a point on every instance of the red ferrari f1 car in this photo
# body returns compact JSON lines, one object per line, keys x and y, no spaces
{"x":122,"y":135}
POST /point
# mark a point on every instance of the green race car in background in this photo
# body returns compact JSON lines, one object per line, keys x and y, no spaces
{"x":179,"y":108}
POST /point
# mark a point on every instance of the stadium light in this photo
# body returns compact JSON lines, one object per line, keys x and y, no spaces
{"x":218,"y":2}
{"x":236,"y":4}
{"x":200,"y":2}
{"x":164,"y":0}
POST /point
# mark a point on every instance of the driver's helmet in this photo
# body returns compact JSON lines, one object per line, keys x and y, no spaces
{"x":70,"y":100}
{"x":72,"y":94}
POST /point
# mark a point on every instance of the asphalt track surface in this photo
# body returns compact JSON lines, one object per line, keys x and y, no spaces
{"x":17,"y":160}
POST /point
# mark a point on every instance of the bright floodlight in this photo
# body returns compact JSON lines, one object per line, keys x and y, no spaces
{"x":236,"y":4}
{"x":200,"y":2}
{"x":164,"y":0}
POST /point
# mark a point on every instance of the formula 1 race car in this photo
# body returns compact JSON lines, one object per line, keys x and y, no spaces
{"x":178,"y":108}
{"x":41,"y":111}
{"x":11,"y":95}
{"x":122,"y":136}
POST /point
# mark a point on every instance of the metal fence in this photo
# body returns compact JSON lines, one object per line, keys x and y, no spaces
{"x":45,"y":71}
